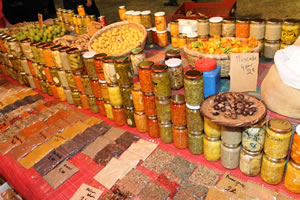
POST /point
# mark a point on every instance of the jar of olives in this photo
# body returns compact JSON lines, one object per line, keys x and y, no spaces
{"x":123,"y":71}
{"x":40,"y":53}
{"x":70,"y":79}
{"x":54,"y":75}
{"x":74,"y":59}
{"x":161,"y":81}
{"x":109,"y":70}
{"x":163,"y":108}
{"x":146,"y":18}
{"x":126,"y":95}
{"x":195,"y":142}
{"x":136,"y":56}
{"x":193,"y":87}
{"x":165,"y":131}
{"x":88,"y":59}
{"x":129,"y":114}
{"x":175,"y":71}
{"x":145,"y":76}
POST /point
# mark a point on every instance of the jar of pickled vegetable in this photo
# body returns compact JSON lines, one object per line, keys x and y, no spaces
{"x":182,"y":41}
{"x":165,"y":131}
{"x":253,"y":137}
{"x":195,"y":142}
{"x":193,"y":87}
{"x":109,"y":70}
{"x":98,"y":61}
{"x":68,"y":94}
{"x":161,"y":81}
{"x":272,"y":169}
{"x":290,"y":31}
{"x":180,"y":137}
{"x":100,"y":105}
{"x":194,"y":118}
{"x":136,"y":57}
{"x":88,"y":59}
{"x":250,"y":162}
{"x":114,"y":94}
{"x":129,"y":114}
{"x":76,"y":97}
{"x":163,"y":108}
{"x":93,"y":103}
{"x":202,"y":26}
{"x":123,"y":71}
{"x":54,"y":75}
{"x":231,"y":135}
{"x":228,"y":27}
{"x":48,"y":56}
{"x":82,"y":30}
{"x":87,"y":84}
{"x":149,"y":36}
{"x":140,"y":122}
{"x":212,"y":148}
{"x":108,"y":110}
{"x":295,"y":150}
{"x":70,"y":79}
{"x":242,"y":28}
{"x":46,"y":73}
{"x":175,"y":71}
{"x":56,"y":57}
{"x":15,"y":48}
{"x":40,"y":53}
{"x":75,"y":60}
{"x":78,"y":82}
{"x":162,"y":38}
{"x":230,"y":155}
{"x":84,"y":101}
{"x":270,"y":48}
{"x":215,"y":26}
{"x":277,"y":140}
{"x":146,"y":18}
{"x":172,"y":53}
{"x":137,"y":96}
{"x":174,"y":28}
{"x":145,"y":76}
{"x":160,"y":21}
{"x":104,"y":90}
{"x":178,"y":110}
{"x":273,"y":29}
{"x":25,"y":66}
{"x":126,"y":95}
{"x":211,"y":129}
{"x":48,"y":88}
{"x":26,"y":49}
{"x":149,"y":104}
{"x":64,"y":58}
{"x":136,"y":17}
{"x":257,"y":29}
{"x":122,"y":11}
{"x":119,"y":115}
{"x":43,"y":86}
{"x":96,"y":87}
{"x":291,"y":180}
{"x":153,"y":128}
{"x":175,"y":41}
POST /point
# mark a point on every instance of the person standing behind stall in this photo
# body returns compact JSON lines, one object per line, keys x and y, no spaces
{"x":89,"y":6}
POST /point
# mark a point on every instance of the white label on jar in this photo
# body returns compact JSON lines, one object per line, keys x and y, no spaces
{"x":55,"y":79}
{"x":129,"y":121}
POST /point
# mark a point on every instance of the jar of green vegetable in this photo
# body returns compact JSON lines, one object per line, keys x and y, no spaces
{"x":195,"y":142}
{"x":161,"y":81}
{"x":163,"y":108}
{"x":193,"y":87}
{"x":74,"y":59}
{"x":165,"y":131}
{"x":194,"y":118}
{"x":123,"y":71}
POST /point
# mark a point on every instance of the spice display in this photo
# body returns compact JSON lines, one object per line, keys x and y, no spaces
{"x":119,"y":115}
{"x":290,"y":31}
{"x":175,"y":71}
{"x":122,"y":11}
{"x":93,"y":104}
{"x":85,"y":80}
{"x":172,"y":53}
{"x":129,"y":114}
{"x":295,"y":150}
{"x":175,"y":41}
{"x":136,"y":57}
{"x":253,"y":137}
{"x":228,"y":27}
{"x":68,"y":94}
{"x":202,"y":26}
{"x":153,"y":128}
{"x":163,"y":109}
{"x":145,"y":78}
{"x":182,"y":41}
{"x":123,"y":71}
{"x":61,"y":93}
{"x":174,"y":28}
{"x":84,"y":101}
{"x":194,"y":118}
{"x":48,"y":56}
{"x":88,"y":59}
{"x":211,"y":129}
{"x":74,"y":60}
{"x":257,"y":29}
{"x":126,"y":95}
{"x":76,"y":97}
{"x":242,"y":28}
{"x":78,"y":82}
{"x":230,"y":155}
{"x":180,"y":137}
{"x":140,"y":122}
{"x":231,"y":135}
{"x":54,"y":75}
{"x":109,"y":70}
{"x":26,"y":49}
{"x":160,"y":21}
{"x":98,"y":61}
{"x":273,"y":29}
{"x":215,"y":26}
{"x":212,"y":148}
{"x":277,"y":138}
{"x":101,"y":108}
{"x":108,"y":110}
{"x":161,"y":81}
{"x":104,"y":90}
{"x":165,"y":131}
{"x":270,"y":48}
{"x":70,"y":79}
{"x":162,"y":38}
{"x":96,"y":89}
{"x":193,"y":87}
{"x":64,"y":58}
{"x":178,"y":110}
{"x":114,"y":94}
{"x":146,"y":18}
{"x":291,"y":180}
{"x":250,"y":162}
{"x":149,"y":104}
{"x":195,"y":142}
{"x":137,"y":96}
{"x":272,"y":169}
{"x":56,"y":56}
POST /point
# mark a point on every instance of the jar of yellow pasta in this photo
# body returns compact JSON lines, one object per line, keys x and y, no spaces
{"x":211,"y":129}
{"x":212,"y":148}
{"x":272,"y":169}
{"x":292,"y":174}
{"x":290,"y":31}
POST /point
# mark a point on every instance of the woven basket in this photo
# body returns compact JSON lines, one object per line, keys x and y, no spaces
{"x":118,"y":25}
{"x":223,"y":60}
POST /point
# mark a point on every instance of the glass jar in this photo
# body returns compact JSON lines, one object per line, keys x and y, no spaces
{"x":180,"y":137}
{"x":100,"y":105}
{"x":68,"y":94}
{"x":230,"y":155}
{"x":273,"y":29}
{"x":136,"y":17}
{"x":76,"y":97}
{"x":182,"y":41}
{"x":175,"y":70}
{"x":96,"y":87}
{"x":137,"y":96}
{"x":270,"y":48}
{"x":119,"y":115}
{"x":128,"y":15}
{"x":126,"y":95}
{"x":98,"y":61}
{"x":121,"y":12}
{"x":140,"y":122}
{"x":37,"y":83}
{"x":64,"y":58}
{"x":172,"y":53}
{"x":31,"y":82}
{"x":149,"y":104}
{"x":242,"y":28}
{"x":231,"y":135}
{"x":88,"y":59}
{"x":272,"y":169}
{"x":59,"y":14}
{"x":146,"y":18}
{"x":195,"y":142}
{"x":194,"y":118}
{"x":163,"y":108}
{"x":26,"y":49}
{"x":61,"y":93}
{"x":86,"y":84}
{"x":93,"y":104}
{"x":290,"y":31}
{"x":84,"y":101}
{"x":250,"y":162}
{"x":174,"y":28}
{"x":193,"y":87}
{"x":202,"y":26}
{"x":175,"y":41}
{"x":136,"y":57}
{"x":114,"y":94}
{"x":212,"y":148}
{"x":109,"y":70}
{"x":228,"y":27}
{"x":277,"y":140}
{"x":257,"y":29}
{"x":104,"y":90}
{"x":25,"y":66}
{"x":5,"y":44}
{"x":49,"y":89}
{"x":43,"y":86}
{"x":87,"y":20}
{"x":82,"y":30}
{"x":46,"y":73}
{"x":291,"y":180}
{"x":81,"y":10}
{"x":162,"y":37}
{"x":48,"y":56}
{"x":129,"y":114}
{"x":145,"y":78}
{"x":253,"y":137}
{"x":211,"y":129}
{"x":78,"y":83}
{"x":165,"y":131}
{"x":149,"y":36}
{"x":108,"y":110}
{"x":54,"y":75}
{"x":283,"y":46}
{"x":75,"y":60}
{"x":31,"y":67}
{"x":56,"y":57}
{"x":15,"y":48}
{"x":160,"y":21}
{"x":178,"y":112}
{"x":123,"y":71}
{"x":40,"y":53}
{"x":295,"y":150}
{"x":161,"y":81}
{"x":215,"y":26}
{"x":70,"y":79}
{"x":191,"y":37}
{"x":153,"y":128}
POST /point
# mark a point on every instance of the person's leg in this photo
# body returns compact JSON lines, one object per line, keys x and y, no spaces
{"x":171,"y":3}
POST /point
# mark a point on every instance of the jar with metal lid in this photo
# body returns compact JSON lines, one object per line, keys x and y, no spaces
{"x":25,"y":66}
{"x":194,"y":119}
{"x":193,"y":87}
{"x":137,"y":96}
{"x":81,"y":10}
{"x":250,"y":162}
{"x":96,"y":89}
{"x":35,"y":52}
{"x":136,"y":57}
{"x":153,"y":127}
{"x":272,"y":169}
{"x":230,"y":155}
{"x":215,"y":26}
{"x":140,"y":122}
{"x":48,"y":56}
{"x":295,"y":149}
{"x":129,"y":114}
{"x":231,"y":135}
{"x":242,"y":28}
{"x":211,"y":129}
{"x":195,"y":142}
{"x":149,"y":36}
{"x":87,"y":20}
{"x":291,"y":180}
{"x":149,"y":104}
{"x":277,"y":140}
{"x":108,"y":110}
{"x":202,"y":26}
{"x":136,"y":17}
{"x":98,"y":61}
{"x":180,"y":137}
{"x":126,"y":95}
{"x":114,"y":94}
{"x":70,"y":79}
{"x":26,"y":49}
{"x":68,"y":94}
{"x":49,"y":89}
{"x":84,"y":101}
{"x":273,"y":29}
{"x":119,"y":115}
{"x":40,"y":53}
{"x":5,"y":44}
{"x":54,"y":75}
{"x":75,"y":60}
{"x":15,"y":48}
{"x":46,"y":73}
{"x":162,"y":38}
{"x":146,"y":18}
{"x":64,"y":58}
{"x":290,"y":31}
{"x":56,"y":57}
{"x":175,"y":41}
{"x":109,"y":70}
{"x":121,"y":12}
{"x":37,"y":83}
{"x":88,"y":59}
{"x":228,"y":27}
{"x":165,"y":131}
{"x":93,"y":103}
{"x":31,"y":82}
{"x":175,"y":70}
{"x":43,"y":86}
{"x":128,"y":15}
{"x":191,"y":37}
{"x":123,"y":70}
{"x":160,"y":21}
{"x":61,"y":93}
{"x":78,"y":82}
{"x":76,"y":97}
{"x":257,"y":29}
{"x":104,"y":90}
{"x":86,"y":84}
{"x":178,"y":110}
{"x":270,"y":48}
{"x":163,"y":108}
{"x":82,"y":30}
{"x":100,"y":105}
{"x":182,"y":41}
{"x":145,"y":78}
{"x":161,"y":81}
{"x":212,"y":148}
{"x":172,"y":53}
{"x":253,"y":137}
{"x":174,"y":28}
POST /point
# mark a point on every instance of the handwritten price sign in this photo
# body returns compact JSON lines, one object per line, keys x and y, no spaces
{"x":86,"y":192}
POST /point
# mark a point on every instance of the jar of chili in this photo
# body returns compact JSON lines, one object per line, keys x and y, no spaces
{"x":104,"y":90}
{"x":174,"y":28}
{"x":84,"y":101}
{"x":215,"y":26}
{"x":180,"y":137}
{"x":114,"y":94}
{"x":153,"y":128}
{"x":165,"y":131}
{"x":195,"y":142}
{"x":96,"y":87}
{"x":145,"y":76}
{"x":193,"y":87}
{"x":123,"y":71}
{"x":126,"y":95}
{"x":137,"y":96}
{"x":136,"y":57}
{"x":178,"y":113}
{"x":149,"y":103}
{"x":86,"y":84}
{"x":108,"y":110}
{"x":78,"y":83}
{"x":140,"y":121}
{"x":101,"y":108}
{"x":98,"y":61}
{"x":161,"y":81}
{"x":242,"y":28}
{"x":175,"y":70}
{"x":172,"y":53}
{"x":88,"y":59}
{"x":119,"y":115}
{"x":163,"y":108}
{"x":129,"y":113}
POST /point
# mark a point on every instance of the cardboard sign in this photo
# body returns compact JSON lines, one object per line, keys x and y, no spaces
{"x":93,"y":27}
{"x":243,"y":72}
{"x":86,"y":192}
{"x":231,"y":184}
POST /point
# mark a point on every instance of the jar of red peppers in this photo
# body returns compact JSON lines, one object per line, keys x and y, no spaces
{"x":98,"y":61}
{"x":140,"y":121}
{"x":180,"y":137}
{"x":119,"y":115}
{"x":153,"y":128}
{"x":149,"y":103}
{"x":100,"y":105}
{"x":145,"y":76}
{"x":242,"y":28}
{"x":165,"y":131}
{"x":137,"y":96}
{"x":96,"y":87}
{"x":178,"y":112}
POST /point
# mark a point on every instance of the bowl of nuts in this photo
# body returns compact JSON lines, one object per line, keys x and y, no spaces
{"x":234,"y":109}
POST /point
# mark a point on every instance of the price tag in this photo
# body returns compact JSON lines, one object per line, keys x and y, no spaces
{"x":86,"y":192}
{"x":231,"y":184}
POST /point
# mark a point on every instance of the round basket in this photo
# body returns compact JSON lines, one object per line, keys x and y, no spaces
{"x":223,"y":60}
{"x":118,"y":25}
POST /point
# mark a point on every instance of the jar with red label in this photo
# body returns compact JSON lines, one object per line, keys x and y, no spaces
{"x":78,"y":83}
{"x":162,"y":38}
{"x":153,"y":128}
{"x":180,"y":137}
{"x":149,"y":103}
{"x":178,"y":107}
{"x":137,"y":96}
{"x":119,"y":115}
{"x":242,"y":28}
{"x":101,"y":108}
{"x":160,"y":21}
{"x":145,"y":76}
{"x":98,"y":61}
{"x":84,"y":101}
{"x":96,"y":87}
{"x":140,"y":122}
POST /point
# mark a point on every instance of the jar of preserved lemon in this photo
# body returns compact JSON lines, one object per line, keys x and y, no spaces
{"x":228,"y":27}
{"x":146,"y":18}
{"x":203,"y":26}
{"x":277,"y":141}
{"x":291,"y":180}
{"x":174,"y":28}
{"x":212,"y":148}
{"x":215,"y":26}
{"x":122,"y":11}
{"x":290,"y":31}
{"x":211,"y":129}
{"x":250,"y":162}
{"x":257,"y":29}
{"x":272,"y":169}
{"x":160,"y":21}
{"x":175,"y":41}
{"x":273,"y":29}
{"x":182,"y":41}
{"x":162,"y":38}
